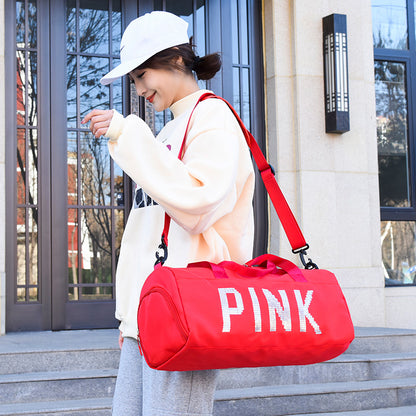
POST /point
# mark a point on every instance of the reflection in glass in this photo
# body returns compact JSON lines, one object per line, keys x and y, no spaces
{"x":33,"y":246}
{"x":243,"y":31}
{"x":159,"y":118}
{"x":200,"y":28}
{"x":20,"y":24}
{"x":20,"y":89}
{"x":27,"y":173}
{"x":245,"y":95}
{"x":32,"y":24}
{"x":26,"y":84}
{"x":94,"y":26}
{"x":72,"y":161}
{"x":73,"y":246}
{"x":389,"y":24}
{"x":21,"y":166}
{"x":33,"y":294}
{"x":73,"y":293}
{"x":21,"y":294}
{"x":21,"y":246}
{"x":32,"y":88}
{"x":119,"y":227}
{"x":414,"y":8}
{"x":118,"y":186}
{"x":200,"y":35}
{"x":240,"y":53}
{"x":96,"y":244}
{"x":95,"y":171}
{"x":398,"y":244}
{"x":116,"y":26}
{"x":236,"y":90}
{"x":117,"y":96}
{"x":71,"y":87}
{"x":27,"y":252}
{"x":93,"y":94}
{"x":97,"y":292}
{"x":391,"y":115}
{"x":32,"y":175}
{"x":71,"y":25}
{"x":234,"y":31}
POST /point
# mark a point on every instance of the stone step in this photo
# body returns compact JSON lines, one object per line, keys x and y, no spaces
{"x":82,"y":383}
{"x":31,"y":362}
{"x":348,"y":367}
{"x":86,"y":407}
{"x":382,"y":340}
{"x":76,"y":340}
{"x":29,"y":352}
{"x":315,"y":398}
{"x":102,"y":407}
{"x":62,"y":385}
{"x":71,"y":350}
{"x":391,"y":411}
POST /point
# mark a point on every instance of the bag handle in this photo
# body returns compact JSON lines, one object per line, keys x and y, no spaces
{"x":264,"y":265}
{"x":287,"y":219}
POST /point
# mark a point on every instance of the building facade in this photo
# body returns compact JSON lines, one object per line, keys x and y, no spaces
{"x":63,"y":201}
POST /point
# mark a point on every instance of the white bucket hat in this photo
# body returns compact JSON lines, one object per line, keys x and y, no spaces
{"x":146,"y":36}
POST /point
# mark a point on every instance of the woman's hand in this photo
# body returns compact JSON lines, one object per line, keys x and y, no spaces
{"x":99,"y":121}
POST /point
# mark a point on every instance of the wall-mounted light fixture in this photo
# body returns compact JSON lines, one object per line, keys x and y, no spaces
{"x":337,"y":112}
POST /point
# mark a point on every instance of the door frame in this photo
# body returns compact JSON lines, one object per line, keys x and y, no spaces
{"x":68,"y":314}
{"x":33,"y":315}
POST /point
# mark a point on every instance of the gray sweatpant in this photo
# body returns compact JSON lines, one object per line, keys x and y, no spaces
{"x":142,"y":391}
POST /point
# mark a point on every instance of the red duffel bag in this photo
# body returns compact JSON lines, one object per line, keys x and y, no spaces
{"x":267,"y":312}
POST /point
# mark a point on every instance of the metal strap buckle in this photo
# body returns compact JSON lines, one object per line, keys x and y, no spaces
{"x":308,"y":265}
{"x":161,"y":257}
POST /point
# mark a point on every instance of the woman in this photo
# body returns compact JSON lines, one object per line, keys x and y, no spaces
{"x":208,"y":194}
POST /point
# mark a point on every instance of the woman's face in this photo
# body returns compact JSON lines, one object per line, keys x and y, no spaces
{"x":160,"y":87}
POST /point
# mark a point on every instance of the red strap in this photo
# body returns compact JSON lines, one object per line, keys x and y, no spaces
{"x":289,"y":223}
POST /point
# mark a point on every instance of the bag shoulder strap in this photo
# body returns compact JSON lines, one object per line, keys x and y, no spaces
{"x":287,"y":219}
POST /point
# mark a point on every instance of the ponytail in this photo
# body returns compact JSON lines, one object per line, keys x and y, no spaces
{"x":206,"y":67}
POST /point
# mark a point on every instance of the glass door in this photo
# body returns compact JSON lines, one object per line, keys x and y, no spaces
{"x":93,"y":191}
{"x":66,"y":200}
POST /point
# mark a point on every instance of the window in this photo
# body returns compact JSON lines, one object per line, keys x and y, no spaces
{"x":27,"y":219}
{"x":95,"y":182}
{"x":395,"y":62}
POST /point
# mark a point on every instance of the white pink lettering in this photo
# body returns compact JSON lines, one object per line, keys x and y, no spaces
{"x":275,"y":307}
{"x":227,"y":311}
{"x":256,"y":309}
{"x":231,"y":296}
{"x":303,"y":307}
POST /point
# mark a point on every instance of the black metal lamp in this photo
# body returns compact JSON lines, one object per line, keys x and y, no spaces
{"x":337,"y":114}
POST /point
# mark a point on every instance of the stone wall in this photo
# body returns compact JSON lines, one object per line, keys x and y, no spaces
{"x":330,"y":180}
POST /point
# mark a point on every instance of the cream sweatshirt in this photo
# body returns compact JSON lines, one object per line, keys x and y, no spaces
{"x":208,"y":194}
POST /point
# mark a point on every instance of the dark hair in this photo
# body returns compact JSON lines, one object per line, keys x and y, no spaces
{"x":205,"y":67}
